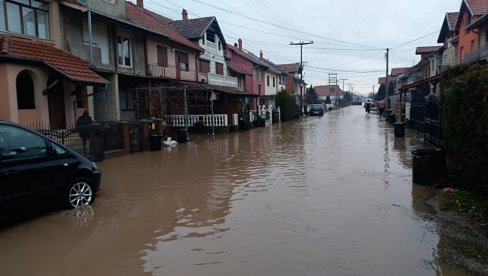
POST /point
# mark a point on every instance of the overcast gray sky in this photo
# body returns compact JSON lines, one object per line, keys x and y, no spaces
{"x":350,"y":36}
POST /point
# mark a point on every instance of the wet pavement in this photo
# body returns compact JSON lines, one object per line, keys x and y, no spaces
{"x":329,"y":195}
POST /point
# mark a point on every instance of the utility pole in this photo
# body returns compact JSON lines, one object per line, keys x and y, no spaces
{"x":386,"y":79}
{"x":300,"y":70}
{"x":332,"y":87}
{"x":343,"y":85}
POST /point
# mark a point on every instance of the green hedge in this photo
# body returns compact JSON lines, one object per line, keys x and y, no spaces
{"x":287,"y":105}
{"x":465,"y":123}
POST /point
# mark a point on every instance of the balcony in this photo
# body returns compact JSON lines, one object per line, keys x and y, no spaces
{"x":476,"y":56}
{"x":221,"y":80}
{"x":211,"y":46}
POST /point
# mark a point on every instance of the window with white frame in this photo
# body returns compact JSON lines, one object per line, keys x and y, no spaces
{"x":124,"y":49}
{"x":28,"y":17}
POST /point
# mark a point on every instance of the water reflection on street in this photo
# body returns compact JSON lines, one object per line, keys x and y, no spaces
{"x":327,"y":195}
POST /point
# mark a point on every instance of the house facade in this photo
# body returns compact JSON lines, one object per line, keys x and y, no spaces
{"x":206,"y":33}
{"x":39,"y":82}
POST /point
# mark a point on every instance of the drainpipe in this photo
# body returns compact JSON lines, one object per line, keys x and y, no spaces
{"x":90,"y":37}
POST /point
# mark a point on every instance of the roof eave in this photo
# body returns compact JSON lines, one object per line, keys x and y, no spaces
{"x":54,"y":68}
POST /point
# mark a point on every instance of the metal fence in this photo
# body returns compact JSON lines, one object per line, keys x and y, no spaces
{"x":99,"y":136}
{"x":432,"y":130}
{"x":136,"y":136}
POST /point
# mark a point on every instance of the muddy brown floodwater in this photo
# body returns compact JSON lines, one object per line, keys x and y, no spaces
{"x":327,"y":195}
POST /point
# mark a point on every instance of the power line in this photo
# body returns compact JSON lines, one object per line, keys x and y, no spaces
{"x":281,"y":27}
{"x":415,"y":40}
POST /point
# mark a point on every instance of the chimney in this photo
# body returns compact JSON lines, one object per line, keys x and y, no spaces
{"x":184,"y":15}
{"x":261,"y":54}
{"x":140,"y":4}
{"x":240,"y":44}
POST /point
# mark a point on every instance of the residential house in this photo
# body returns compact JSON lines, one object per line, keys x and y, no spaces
{"x":448,"y":37}
{"x":468,"y":39}
{"x":275,"y":81}
{"x":480,"y":26}
{"x":206,"y":33}
{"x":135,"y":52}
{"x":334,"y":92}
{"x":39,"y":82}
{"x":292,"y":80}
{"x":250,"y":72}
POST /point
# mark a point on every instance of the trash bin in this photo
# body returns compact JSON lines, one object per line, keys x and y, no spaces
{"x":399,"y":129}
{"x":96,"y":142}
{"x":182,"y":135}
{"x":243,"y":124}
{"x":391,"y":118}
{"x":429,"y":165}
{"x":155,"y":142}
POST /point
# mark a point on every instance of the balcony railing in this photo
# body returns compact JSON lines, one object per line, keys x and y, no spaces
{"x":475,"y":56}
{"x":204,"y":120}
{"x":222,"y":80}
{"x":169,"y":72}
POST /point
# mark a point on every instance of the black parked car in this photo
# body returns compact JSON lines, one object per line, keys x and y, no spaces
{"x":36,"y":170}
{"x":316,"y":109}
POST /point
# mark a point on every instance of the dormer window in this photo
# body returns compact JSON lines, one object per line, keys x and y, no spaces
{"x":211,"y":36}
{"x":28,"y":17}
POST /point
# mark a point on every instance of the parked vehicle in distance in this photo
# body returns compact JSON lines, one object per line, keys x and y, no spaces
{"x":37,"y":170}
{"x":316,"y":109}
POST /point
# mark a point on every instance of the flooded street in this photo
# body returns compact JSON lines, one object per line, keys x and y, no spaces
{"x":327,"y":195}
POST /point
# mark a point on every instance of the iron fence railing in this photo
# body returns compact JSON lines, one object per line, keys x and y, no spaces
{"x":136,"y":136}
{"x":99,"y":136}
{"x":432,"y":127}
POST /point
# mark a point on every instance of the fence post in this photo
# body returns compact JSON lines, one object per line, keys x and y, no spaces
{"x":145,"y":134}
{"x":96,"y":142}
{"x":124,"y":126}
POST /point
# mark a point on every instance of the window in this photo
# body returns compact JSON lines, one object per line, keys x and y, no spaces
{"x":124,"y":49}
{"x":25,"y":91}
{"x":210,"y":36}
{"x":219,"y":68}
{"x":162,"y":56}
{"x":203,"y":39}
{"x":29,"y":17}
{"x":220,"y":46}
{"x":17,"y":143}
{"x":204,"y":66}
{"x":127,"y":100}
{"x":182,"y":60}
{"x":274,"y":82}
{"x":267,"y":80}
{"x":472,"y":45}
{"x":259,"y":89}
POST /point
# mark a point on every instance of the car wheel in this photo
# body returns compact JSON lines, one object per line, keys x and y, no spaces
{"x":80,"y":193}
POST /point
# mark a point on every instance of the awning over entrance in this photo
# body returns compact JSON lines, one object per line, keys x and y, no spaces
{"x":26,"y":50}
{"x":208,"y":87}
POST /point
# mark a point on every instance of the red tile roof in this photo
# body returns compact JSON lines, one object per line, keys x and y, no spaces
{"x":26,"y":49}
{"x":427,"y":49}
{"x":235,"y":67}
{"x":289,"y":68}
{"x":452,"y":19}
{"x":325,"y":90}
{"x":158,"y":23}
{"x":477,"y":7}
{"x":399,"y":71}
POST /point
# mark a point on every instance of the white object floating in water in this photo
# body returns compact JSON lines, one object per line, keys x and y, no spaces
{"x":168,"y":142}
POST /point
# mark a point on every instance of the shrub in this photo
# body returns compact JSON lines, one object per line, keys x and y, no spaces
{"x":465,"y":123}
{"x":287,"y":105}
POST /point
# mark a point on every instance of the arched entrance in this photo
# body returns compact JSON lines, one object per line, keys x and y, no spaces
{"x":55,"y":97}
